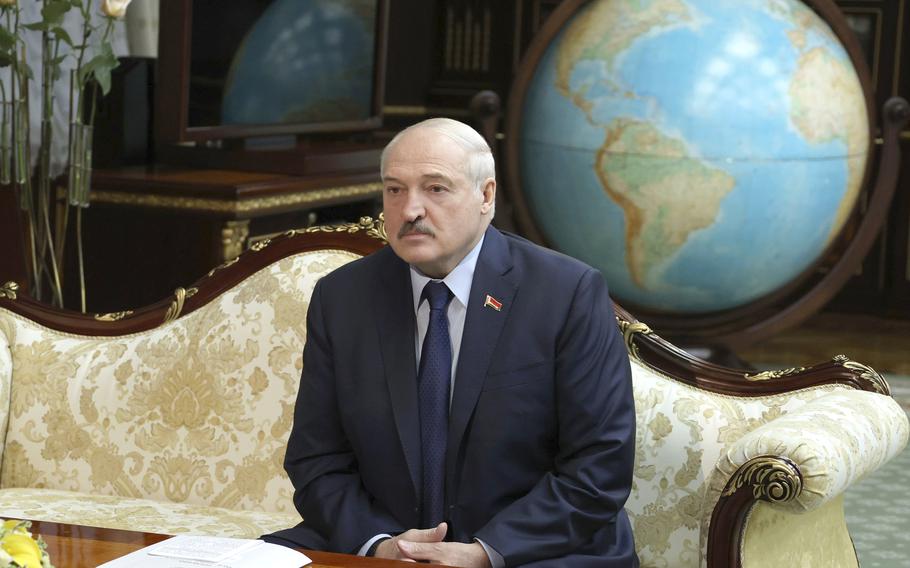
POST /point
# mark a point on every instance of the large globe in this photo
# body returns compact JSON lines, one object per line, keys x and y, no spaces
{"x":304,"y":61}
{"x":701,"y":153}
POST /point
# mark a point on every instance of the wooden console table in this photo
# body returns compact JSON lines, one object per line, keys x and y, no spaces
{"x":233,"y":198}
{"x":171,"y":225}
{"x":76,"y":546}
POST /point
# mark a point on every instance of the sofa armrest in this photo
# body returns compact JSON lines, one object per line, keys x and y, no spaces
{"x":801,"y":462}
{"x":833,"y":441}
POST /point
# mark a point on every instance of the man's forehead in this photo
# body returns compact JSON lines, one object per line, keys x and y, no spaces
{"x":430,"y":175}
{"x":425,"y":143}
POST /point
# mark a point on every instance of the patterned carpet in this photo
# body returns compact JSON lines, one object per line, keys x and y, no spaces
{"x":878,"y":507}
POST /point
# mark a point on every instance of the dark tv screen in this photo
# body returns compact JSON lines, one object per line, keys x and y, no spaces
{"x":284,"y":65}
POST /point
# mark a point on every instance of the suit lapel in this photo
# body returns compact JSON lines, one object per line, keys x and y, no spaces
{"x":483,"y":325}
{"x":395,"y":323}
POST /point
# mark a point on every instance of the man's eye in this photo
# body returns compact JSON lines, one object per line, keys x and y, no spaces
{"x":393,"y":190}
{"x":437,"y":188}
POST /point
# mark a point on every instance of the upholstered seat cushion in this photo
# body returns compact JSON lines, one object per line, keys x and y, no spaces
{"x":144,"y":515}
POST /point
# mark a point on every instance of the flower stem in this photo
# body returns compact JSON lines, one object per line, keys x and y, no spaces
{"x":81,"y":259}
{"x":46,"y":243}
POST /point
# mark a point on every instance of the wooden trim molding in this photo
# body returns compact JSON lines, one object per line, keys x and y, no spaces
{"x":238,"y":206}
{"x":657,"y":353}
{"x":773,"y":479}
{"x":363,"y":237}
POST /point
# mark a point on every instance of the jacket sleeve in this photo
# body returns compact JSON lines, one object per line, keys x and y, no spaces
{"x":328,"y":491}
{"x":592,"y":470}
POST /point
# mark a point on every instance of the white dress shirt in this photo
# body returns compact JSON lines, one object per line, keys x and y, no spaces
{"x":459,"y":283}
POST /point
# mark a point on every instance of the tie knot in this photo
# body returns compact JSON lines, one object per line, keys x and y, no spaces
{"x":437,"y":293}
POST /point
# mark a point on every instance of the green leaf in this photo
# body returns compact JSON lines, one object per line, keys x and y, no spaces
{"x":103,"y":76}
{"x":100,"y":67}
{"x":7,"y":39}
{"x":63,"y":36}
{"x":25,"y":68}
{"x":6,"y":59}
{"x":37,"y":26}
{"x":55,"y":64}
{"x":86,"y":70}
{"x":107,"y":51}
{"x":53,"y":11}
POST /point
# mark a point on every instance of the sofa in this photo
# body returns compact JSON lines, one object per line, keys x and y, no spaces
{"x":173,"y":418}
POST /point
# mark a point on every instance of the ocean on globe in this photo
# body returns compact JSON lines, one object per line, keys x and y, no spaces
{"x":304,"y":61}
{"x":700,"y":153}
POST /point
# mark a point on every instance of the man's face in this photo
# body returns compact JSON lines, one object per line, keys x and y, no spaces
{"x":434,"y":214}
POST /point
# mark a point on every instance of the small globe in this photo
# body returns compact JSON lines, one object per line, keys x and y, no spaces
{"x":701,"y":153}
{"x":304,"y":61}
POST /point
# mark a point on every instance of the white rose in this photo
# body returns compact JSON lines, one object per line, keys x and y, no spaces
{"x":113,"y":8}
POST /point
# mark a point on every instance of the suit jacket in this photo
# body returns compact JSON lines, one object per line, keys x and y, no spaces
{"x":541,"y":427}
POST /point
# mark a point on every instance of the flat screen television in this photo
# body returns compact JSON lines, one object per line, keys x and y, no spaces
{"x":251,"y":68}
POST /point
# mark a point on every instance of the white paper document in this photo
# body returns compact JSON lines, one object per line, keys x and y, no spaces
{"x":210,"y":552}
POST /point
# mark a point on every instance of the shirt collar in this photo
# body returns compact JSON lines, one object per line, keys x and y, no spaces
{"x":458,"y":280}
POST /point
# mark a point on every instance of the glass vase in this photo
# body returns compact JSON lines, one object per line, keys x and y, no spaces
{"x":80,"y":168}
{"x":6,"y":142}
{"x":20,"y":141}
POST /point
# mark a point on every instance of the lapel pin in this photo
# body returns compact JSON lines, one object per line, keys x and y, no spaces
{"x":492,"y":302}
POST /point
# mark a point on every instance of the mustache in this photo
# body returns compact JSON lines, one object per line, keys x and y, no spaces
{"x":415,"y":227}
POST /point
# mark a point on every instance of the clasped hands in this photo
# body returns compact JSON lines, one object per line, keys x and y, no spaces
{"x":427,"y":544}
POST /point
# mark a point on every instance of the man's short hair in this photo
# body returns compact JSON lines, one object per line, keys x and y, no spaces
{"x":480,"y":163}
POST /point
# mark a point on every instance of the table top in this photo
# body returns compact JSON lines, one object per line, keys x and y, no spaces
{"x":218,"y":184}
{"x":76,"y":546}
{"x":229,"y":193}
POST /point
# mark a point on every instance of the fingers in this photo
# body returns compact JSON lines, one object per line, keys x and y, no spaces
{"x":436,"y":534}
{"x":390,"y":549}
{"x":431,"y":551}
{"x":450,"y":553}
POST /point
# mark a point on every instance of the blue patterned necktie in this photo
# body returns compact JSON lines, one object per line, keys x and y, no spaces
{"x":433,"y":390}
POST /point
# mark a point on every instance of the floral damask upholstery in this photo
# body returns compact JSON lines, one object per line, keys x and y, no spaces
{"x":689,"y":443}
{"x":183,"y":427}
{"x":147,"y":515}
{"x":194,"y":412}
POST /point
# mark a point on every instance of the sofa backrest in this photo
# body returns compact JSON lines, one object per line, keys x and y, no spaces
{"x":196,"y":411}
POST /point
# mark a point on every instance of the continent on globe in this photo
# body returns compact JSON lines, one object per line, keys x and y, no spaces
{"x":655,"y":181}
{"x":586,"y":40}
{"x":827,"y":104}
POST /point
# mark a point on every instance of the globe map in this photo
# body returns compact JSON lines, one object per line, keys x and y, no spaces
{"x":700,"y":153}
{"x":304,"y":61}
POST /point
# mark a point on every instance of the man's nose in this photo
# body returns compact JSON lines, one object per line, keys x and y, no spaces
{"x":413,"y":206}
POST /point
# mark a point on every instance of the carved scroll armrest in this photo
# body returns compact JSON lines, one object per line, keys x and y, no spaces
{"x":832,"y":441}
{"x":801,"y":461}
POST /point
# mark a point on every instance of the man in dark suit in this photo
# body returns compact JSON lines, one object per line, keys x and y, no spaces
{"x":466,"y":397}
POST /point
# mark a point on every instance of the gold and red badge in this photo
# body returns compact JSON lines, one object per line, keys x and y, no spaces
{"x":492,"y":302}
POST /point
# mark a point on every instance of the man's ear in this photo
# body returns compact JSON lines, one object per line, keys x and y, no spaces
{"x":489,"y":196}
